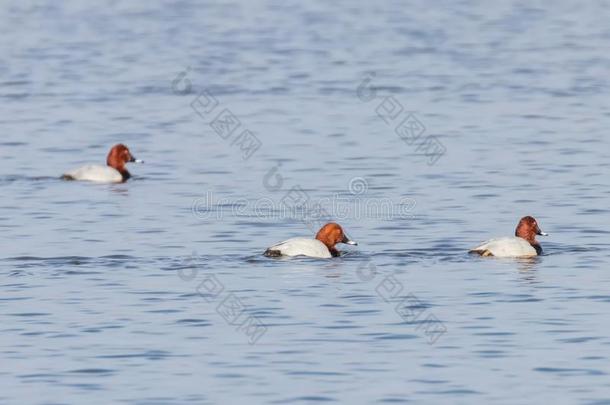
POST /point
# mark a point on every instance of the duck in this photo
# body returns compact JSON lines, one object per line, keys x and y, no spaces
{"x":113,"y":172}
{"x":524,"y":244}
{"x":323,"y":246}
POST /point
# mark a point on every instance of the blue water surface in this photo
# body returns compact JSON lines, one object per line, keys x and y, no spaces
{"x":423,"y":128}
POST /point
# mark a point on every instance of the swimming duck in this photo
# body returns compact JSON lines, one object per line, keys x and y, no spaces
{"x":323,"y":246}
{"x":524,"y":244}
{"x":113,"y":172}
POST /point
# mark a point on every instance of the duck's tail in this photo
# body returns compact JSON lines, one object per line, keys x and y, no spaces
{"x":481,"y":252}
{"x":272,"y":253}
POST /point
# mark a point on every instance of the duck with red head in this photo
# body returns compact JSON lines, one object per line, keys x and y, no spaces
{"x":114,"y":171}
{"x":323,"y":246}
{"x":524,"y":244}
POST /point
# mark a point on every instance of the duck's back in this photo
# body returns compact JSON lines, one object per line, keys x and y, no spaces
{"x":299,"y":247}
{"x":506,"y":247}
{"x":103,"y":174}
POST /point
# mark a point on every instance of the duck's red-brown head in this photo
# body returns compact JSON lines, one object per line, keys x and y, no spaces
{"x":528,"y":229}
{"x":118,"y":156}
{"x":331,"y":234}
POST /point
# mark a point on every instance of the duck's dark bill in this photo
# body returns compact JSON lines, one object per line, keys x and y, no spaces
{"x":347,"y":241}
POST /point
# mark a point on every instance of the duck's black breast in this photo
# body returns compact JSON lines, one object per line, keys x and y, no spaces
{"x":125,"y":174}
{"x":538,"y":248}
{"x":334,"y":252}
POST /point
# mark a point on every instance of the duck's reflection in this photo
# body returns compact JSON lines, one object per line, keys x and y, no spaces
{"x":527,"y":268}
{"x":120,"y":189}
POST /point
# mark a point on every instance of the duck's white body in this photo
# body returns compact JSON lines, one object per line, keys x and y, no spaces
{"x":97,"y":173}
{"x":506,"y":247}
{"x":300,"y":247}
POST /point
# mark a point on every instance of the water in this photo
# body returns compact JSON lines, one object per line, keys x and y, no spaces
{"x":123,"y":293}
